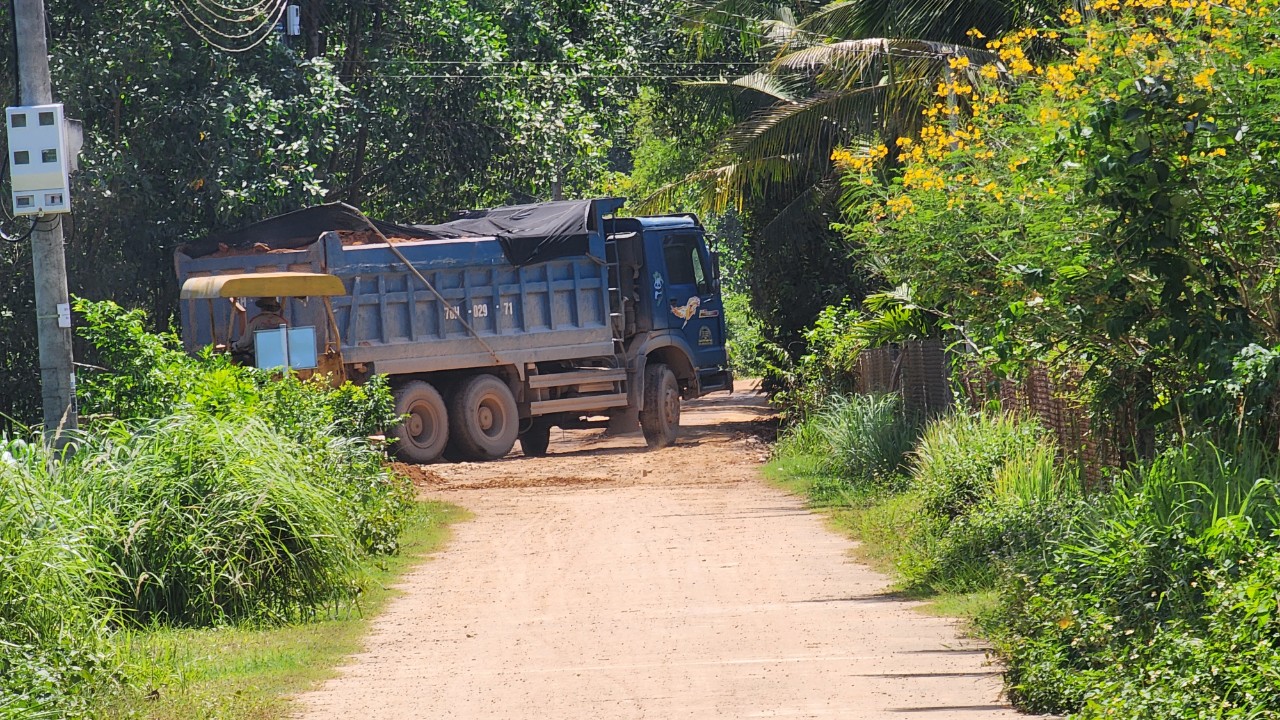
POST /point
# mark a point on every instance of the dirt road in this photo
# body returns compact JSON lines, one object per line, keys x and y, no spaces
{"x":604,"y":581}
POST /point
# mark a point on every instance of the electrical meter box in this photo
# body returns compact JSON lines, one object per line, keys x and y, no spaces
{"x":38,"y":160}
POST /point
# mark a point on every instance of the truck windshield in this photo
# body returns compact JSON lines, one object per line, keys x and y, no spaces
{"x":685,"y":264}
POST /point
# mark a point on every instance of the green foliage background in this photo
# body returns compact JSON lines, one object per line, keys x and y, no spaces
{"x":412,"y":110}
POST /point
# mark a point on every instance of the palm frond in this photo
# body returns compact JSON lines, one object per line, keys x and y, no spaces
{"x":866,"y":52}
{"x":946,"y":21}
{"x":814,"y":125}
{"x":779,"y":87}
{"x":715,"y":189}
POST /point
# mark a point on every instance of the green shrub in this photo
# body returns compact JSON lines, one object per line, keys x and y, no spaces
{"x":1030,"y":493}
{"x":746,"y":342}
{"x":959,"y":455}
{"x":801,"y":386}
{"x":313,"y":408}
{"x":377,"y":502}
{"x":1157,"y":599}
{"x":147,"y":375}
{"x":973,"y":551}
{"x":867,"y":437}
{"x":362,"y":410}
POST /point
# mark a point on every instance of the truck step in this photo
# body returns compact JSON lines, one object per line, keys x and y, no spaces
{"x":578,"y":404}
{"x":577,"y":377}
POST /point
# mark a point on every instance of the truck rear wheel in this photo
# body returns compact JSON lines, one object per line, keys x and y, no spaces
{"x":660,"y":418}
{"x":534,"y":441}
{"x":422,"y":435}
{"x":484,"y":420}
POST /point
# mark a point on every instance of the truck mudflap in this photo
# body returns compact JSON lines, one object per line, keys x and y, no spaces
{"x":718,"y":380}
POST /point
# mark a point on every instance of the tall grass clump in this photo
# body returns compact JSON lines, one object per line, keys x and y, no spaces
{"x":959,"y":455}
{"x":53,"y":613}
{"x":849,"y":444}
{"x":1158,"y":599}
{"x":209,"y":520}
{"x":988,"y":485}
{"x":1029,"y":494}
{"x":867,"y":437}
{"x":864,"y":439}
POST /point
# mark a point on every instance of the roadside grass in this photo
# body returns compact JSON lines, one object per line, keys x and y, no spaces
{"x":882,"y":522}
{"x":241,"y":673}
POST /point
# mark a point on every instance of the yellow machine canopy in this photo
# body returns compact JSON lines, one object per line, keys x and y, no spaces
{"x":270,"y":284}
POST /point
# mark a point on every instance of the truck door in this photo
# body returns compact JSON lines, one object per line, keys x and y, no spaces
{"x":692,"y":300}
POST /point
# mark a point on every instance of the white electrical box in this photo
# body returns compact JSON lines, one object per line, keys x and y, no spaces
{"x":38,"y":159}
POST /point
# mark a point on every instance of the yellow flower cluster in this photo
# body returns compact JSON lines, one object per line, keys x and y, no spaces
{"x":958,"y":88}
{"x":964,"y":159}
{"x":859,"y":163}
{"x":900,"y":205}
{"x":923,"y":177}
{"x":1060,"y":79}
{"x":1204,"y":79}
{"x":1011,"y":52}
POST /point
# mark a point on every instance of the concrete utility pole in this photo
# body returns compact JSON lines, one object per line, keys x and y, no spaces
{"x":57,"y":373}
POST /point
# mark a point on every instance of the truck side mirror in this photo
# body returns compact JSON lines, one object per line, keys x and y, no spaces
{"x":715,"y":271}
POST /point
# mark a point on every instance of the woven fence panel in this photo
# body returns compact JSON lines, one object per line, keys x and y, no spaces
{"x":877,"y":371}
{"x":926,"y":378}
{"x":1054,"y":401}
{"x":919,"y":370}
{"x":929,"y":381}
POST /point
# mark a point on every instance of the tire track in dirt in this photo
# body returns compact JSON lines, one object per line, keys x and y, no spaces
{"x":605,"y":581}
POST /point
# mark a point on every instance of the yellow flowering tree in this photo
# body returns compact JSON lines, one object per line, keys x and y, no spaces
{"x":1105,"y":196}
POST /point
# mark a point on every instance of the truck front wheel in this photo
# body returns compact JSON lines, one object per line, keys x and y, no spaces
{"x":534,"y":441}
{"x":660,"y":418}
{"x":421,"y":436}
{"x":484,"y":420}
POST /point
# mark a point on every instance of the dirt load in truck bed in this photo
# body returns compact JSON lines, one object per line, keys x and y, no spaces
{"x":350,"y":238}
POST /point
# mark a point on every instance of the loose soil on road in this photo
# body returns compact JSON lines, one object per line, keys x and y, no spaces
{"x":608,"y":581}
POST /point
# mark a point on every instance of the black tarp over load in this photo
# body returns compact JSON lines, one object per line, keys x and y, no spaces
{"x":528,"y":233}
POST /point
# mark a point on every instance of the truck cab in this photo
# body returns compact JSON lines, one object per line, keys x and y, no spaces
{"x":672,"y":280}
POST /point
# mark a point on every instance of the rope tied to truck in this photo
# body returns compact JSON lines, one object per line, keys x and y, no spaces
{"x":432,"y":288}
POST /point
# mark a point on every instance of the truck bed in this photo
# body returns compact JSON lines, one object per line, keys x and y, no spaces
{"x":392,"y":323}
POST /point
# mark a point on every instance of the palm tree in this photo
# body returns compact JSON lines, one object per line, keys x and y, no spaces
{"x":848,"y":73}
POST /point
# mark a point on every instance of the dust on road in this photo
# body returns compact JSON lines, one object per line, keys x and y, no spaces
{"x":607,"y":581}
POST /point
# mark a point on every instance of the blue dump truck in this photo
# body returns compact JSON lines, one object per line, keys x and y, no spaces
{"x":495,"y":326}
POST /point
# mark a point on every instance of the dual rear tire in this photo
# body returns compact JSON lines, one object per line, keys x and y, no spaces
{"x":483,"y":418}
{"x":480,"y":421}
{"x":423,"y":433}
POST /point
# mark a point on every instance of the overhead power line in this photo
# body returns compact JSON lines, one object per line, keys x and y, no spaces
{"x":818,"y":38}
{"x":232,"y":28}
{"x":540,"y":76}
